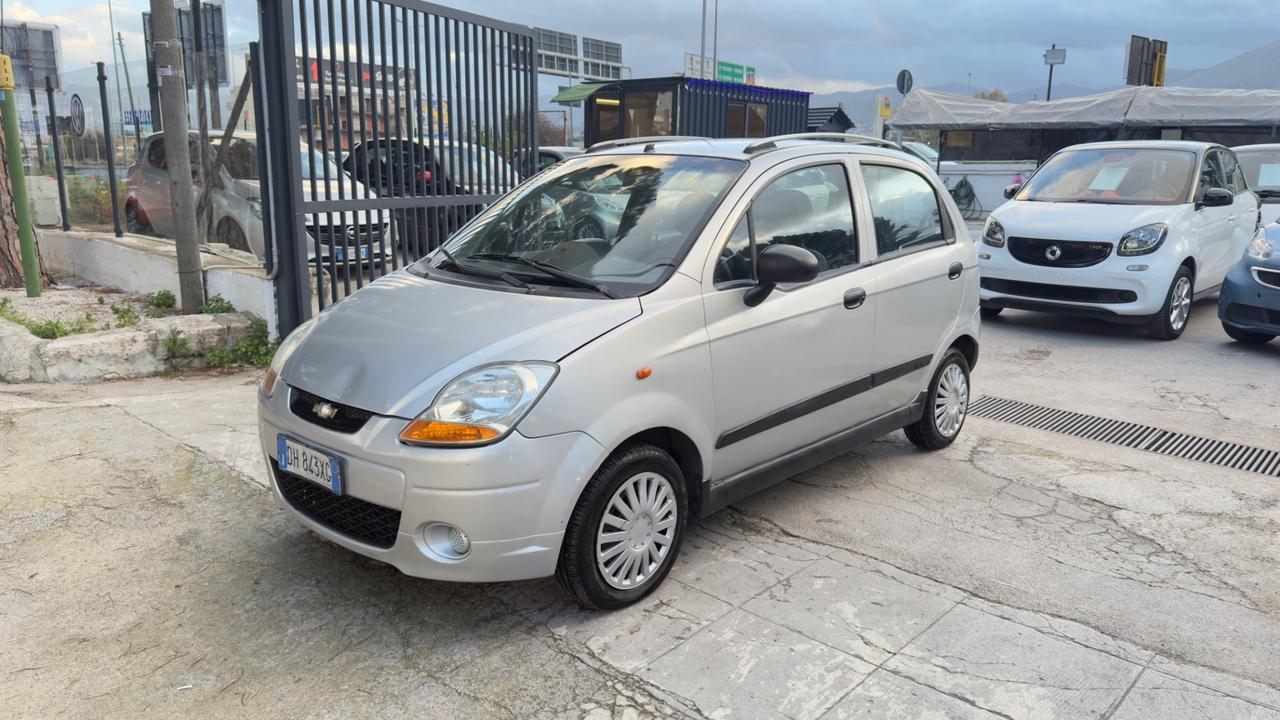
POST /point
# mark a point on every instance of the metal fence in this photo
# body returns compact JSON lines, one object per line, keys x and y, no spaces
{"x":388,"y":125}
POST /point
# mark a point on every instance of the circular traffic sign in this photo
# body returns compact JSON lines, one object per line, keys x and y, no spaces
{"x":77,"y":115}
{"x":904,"y":82}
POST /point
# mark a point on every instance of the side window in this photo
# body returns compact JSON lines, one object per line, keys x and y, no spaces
{"x":546,"y":160}
{"x":1231,"y":173}
{"x":809,"y":208}
{"x":1211,"y":173}
{"x":155,"y":153}
{"x":904,"y":207}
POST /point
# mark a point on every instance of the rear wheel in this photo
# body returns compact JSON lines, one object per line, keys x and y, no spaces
{"x":1244,"y":336}
{"x":990,"y":313}
{"x":133,"y":221}
{"x":233,"y":236}
{"x":626,"y":530}
{"x":1172,"y":319}
{"x":946,"y":406}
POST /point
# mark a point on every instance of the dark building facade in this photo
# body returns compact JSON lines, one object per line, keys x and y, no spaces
{"x":689,"y":106}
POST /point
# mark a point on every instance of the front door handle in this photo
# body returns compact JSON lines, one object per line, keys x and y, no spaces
{"x":854,"y":298}
{"x":954,"y":271}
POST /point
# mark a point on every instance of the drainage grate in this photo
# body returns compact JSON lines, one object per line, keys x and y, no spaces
{"x":1118,"y":432}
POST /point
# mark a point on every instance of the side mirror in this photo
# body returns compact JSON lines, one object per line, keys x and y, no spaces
{"x":778,"y":264}
{"x":1216,"y":197}
{"x":1011,"y":190}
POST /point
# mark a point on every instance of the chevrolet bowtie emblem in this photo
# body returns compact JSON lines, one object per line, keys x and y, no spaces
{"x":324,"y":410}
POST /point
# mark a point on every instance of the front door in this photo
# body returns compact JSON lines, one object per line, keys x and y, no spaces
{"x":1215,"y":227}
{"x":793,"y":369}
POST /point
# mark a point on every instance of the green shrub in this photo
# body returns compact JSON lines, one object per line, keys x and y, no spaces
{"x":216,"y":304}
{"x":177,"y":350}
{"x":163,"y":299}
{"x":125,"y":313}
{"x":219,"y":357}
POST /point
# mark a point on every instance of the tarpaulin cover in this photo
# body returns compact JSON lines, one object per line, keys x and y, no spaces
{"x":1126,"y":107}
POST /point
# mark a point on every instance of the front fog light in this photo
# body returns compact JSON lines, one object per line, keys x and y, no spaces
{"x":446,"y":541}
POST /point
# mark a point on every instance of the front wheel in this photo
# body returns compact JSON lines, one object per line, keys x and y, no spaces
{"x":946,"y":405}
{"x":1169,"y":323}
{"x":626,"y":530}
{"x":1244,"y":336}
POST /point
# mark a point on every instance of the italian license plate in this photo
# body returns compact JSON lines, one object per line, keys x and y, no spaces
{"x":307,"y":462}
{"x":340,"y":254}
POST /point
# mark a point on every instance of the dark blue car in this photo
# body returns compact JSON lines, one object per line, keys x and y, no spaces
{"x":1249,"y":304}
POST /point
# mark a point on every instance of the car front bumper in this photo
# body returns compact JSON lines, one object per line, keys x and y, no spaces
{"x":1247,"y":304}
{"x":512,"y":498}
{"x":1109,"y":290}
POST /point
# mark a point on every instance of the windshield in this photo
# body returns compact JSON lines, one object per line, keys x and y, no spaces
{"x":319,"y":161}
{"x":1261,"y":170}
{"x":618,"y":222}
{"x":1114,"y":176}
{"x":476,"y":166}
{"x":922,"y":151}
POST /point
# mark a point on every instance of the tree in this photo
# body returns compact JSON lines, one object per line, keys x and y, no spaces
{"x":10,"y":251}
{"x":996,"y":95}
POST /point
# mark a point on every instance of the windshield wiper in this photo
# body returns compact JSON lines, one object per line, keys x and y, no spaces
{"x":549,"y":269}
{"x":1268,"y":193}
{"x":505,"y":277}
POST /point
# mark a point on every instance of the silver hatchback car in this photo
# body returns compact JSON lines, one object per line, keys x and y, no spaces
{"x":527,"y":402}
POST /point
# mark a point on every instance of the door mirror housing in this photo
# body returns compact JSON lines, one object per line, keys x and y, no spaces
{"x":778,"y":264}
{"x":1011,"y":190}
{"x":1216,"y":197}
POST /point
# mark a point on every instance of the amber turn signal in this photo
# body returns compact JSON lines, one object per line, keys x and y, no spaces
{"x":269,"y":382}
{"x":433,"y":432}
{"x":643,"y":373}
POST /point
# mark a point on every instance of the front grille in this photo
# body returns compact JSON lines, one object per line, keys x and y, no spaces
{"x":1252,"y":315}
{"x":1065,"y":293}
{"x":1268,"y":277}
{"x":357,"y":519}
{"x":346,"y":419}
{"x":348,"y":235}
{"x":1069,"y":253}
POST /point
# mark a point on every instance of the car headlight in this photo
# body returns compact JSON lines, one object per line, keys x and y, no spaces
{"x":481,"y":406}
{"x":287,"y":347}
{"x":1143,"y":240}
{"x":993,"y":233}
{"x":1260,"y":249}
{"x":255,"y":207}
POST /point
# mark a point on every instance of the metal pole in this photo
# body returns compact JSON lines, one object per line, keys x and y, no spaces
{"x":715,"y":43}
{"x":173,"y":89}
{"x":57,"y":155}
{"x":1048,"y":93}
{"x":35,"y":113}
{"x":702,"y":47}
{"x":128,"y":83}
{"x":111,"y":20}
{"x":18,"y":180}
{"x":111,"y":149}
{"x":202,"y":114}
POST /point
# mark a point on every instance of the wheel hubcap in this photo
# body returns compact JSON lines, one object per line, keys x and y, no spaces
{"x":952,"y":401}
{"x":1180,"y":303}
{"x":636,"y":532}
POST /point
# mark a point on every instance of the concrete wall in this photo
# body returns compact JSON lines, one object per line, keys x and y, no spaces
{"x":144,"y":265}
{"x":988,"y":178}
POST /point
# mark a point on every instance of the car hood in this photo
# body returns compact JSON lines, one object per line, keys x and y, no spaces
{"x":1270,"y":211}
{"x":1079,"y":221}
{"x":391,"y":347}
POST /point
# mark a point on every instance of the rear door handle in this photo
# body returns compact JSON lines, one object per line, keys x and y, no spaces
{"x":854,"y":298}
{"x":955,"y":270}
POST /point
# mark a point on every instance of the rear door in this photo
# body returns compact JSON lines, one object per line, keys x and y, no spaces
{"x":791,"y":370}
{"x":919,"y":269}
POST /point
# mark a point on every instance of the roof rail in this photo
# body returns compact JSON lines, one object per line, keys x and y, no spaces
{"x":771,"y":143}
{"x":623,"y":142}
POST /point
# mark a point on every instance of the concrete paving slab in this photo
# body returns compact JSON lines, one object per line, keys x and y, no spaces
{"x":885,"y":696}
{"x":744,"y":666}
{"x":1013,"y":670}
{"x":731,"y":568}
{"x":1157,"y":695}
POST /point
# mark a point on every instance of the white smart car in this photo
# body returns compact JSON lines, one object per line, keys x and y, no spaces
{"x":1130,"y":232}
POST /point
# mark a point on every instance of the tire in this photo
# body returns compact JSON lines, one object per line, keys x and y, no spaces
{"x":990,"y":313}
{"x":943,"y":416}
{"x":233,"y":236}
{"x":132,"y":222}
{"x":1250,"y":338}
{"x":637,"y":466}
{"x":588,"y":228}
{"x":1174,"y":315}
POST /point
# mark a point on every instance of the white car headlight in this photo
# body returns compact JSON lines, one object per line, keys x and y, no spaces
{"x":1144,"y":240}
{"x":1260,"y":249}
{"x":481,"y":406}
{"x":993,"y":233}
{"x":255,"y":207}
{"x":283,"y":352}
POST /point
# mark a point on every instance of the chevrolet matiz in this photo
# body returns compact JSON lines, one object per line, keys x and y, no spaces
{"x":526,"y":401}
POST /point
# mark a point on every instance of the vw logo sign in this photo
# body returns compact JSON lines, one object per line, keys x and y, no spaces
{"x":1053,"y":253}
{"x":77,"y":115}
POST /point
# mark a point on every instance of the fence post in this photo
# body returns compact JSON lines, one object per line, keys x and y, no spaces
{"x":18,"y":180}
{"x":111,"y":149}
{"x":57,"y":155}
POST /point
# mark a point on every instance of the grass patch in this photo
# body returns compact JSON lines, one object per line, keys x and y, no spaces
{"x":216,"y":304}
{"x":255,"y":350}
{"x":126,"y":314}
{"x":45,"y":329}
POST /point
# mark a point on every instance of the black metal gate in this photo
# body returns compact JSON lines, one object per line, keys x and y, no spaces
{"x":388,"y":125}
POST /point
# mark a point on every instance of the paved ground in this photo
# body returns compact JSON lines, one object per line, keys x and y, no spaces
{"x":1018,"y":574}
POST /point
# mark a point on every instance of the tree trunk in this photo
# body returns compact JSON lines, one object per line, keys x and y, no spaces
{"x":10,"y":251}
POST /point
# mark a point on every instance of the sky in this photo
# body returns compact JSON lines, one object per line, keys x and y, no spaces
{"x":828,"y":46}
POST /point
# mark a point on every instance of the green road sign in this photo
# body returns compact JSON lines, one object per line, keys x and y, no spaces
{"x":735,"y":73}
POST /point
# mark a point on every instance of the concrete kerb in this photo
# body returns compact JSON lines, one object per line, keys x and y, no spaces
{"x":138,"y":351}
